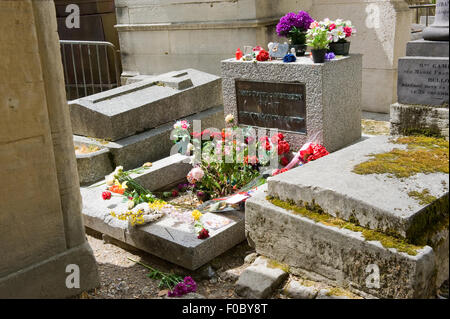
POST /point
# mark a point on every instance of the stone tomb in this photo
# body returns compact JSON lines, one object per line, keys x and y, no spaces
{"x":304,"y":100}
{"x":376,"y":202}
{"x":132,"y":124}
{"x":167,"y":238}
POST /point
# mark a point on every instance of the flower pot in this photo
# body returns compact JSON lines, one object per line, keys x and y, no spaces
{"x":340,"y":48}
{"x":318,"y":55}
{"x":300,"y":49}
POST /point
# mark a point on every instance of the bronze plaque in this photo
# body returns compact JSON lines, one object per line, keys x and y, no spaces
{"x":280,"y":105}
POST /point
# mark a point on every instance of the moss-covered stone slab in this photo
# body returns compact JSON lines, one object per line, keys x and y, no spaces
{"x":377,"y":197}
{"x":341,"y":256}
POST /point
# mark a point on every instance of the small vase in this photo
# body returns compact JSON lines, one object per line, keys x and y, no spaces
{"x":340,"y":48}
{"x":318,"y":55}
{"x":300,"y":49}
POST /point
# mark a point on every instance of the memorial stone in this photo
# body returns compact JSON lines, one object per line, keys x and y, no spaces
{"x":303,"y":100}
{"x":438,"y":31}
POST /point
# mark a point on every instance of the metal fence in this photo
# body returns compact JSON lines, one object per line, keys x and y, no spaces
{"x":89,"y":67}
{"x":427,"y":10}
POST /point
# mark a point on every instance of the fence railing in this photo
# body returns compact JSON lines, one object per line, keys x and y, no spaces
{"x":420,"y":9}
{"x":89,"y":67}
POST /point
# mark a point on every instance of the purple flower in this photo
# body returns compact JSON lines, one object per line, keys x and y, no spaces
{"x":182,"y":288}
{"x":329,"y":56}
{"x":301,"y":20}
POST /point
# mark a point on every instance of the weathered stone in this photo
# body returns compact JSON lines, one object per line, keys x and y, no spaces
{"x":259,"y":280}
{"x":297,"y":291}
{"x":94,"y":166}
{"x":232,"y":274}
{"x":250,"y":258}
{"x":427,"y":48}
{"x":341,"y":255}
{"x":148,"y":146}
{"x":131,"y":109}
{"x":423,"y":80}
{"x":374,"y":200}
{"x":167,"y":238}
{"x":325,"y":294}
{"x":438,"y":31}
{"x":419,"y":119}
{"x":333,"y":111}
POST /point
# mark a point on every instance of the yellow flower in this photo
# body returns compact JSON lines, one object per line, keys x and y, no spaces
{"x":124,"y":185}
{"x":196,"y":214}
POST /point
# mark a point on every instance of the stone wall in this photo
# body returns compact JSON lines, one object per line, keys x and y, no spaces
{"x":41,"y":230}
{"x":160,"y":36}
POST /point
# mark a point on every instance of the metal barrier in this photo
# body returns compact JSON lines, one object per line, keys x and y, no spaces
{"x":89,"y":67}
{"x":420,"y":7}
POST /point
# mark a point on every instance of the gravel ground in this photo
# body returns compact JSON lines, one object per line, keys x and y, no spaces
{"x":123,"y":278}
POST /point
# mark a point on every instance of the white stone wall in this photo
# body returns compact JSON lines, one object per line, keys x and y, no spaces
{"x":157,"y":36}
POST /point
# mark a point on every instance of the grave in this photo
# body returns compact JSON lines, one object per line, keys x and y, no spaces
{"x":423,"y":77}
{"x":355,"y":221}
{"x":168,"y":238}
{"x":131,"y":124}
{"x":302,"y":99}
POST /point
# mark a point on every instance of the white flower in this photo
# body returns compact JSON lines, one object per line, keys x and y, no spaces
{"x":118,"y":171}
{"x":190,"y":147}
{"x":130,"y":204}
{"x":229,"y":118}
{"x":124,"y":185}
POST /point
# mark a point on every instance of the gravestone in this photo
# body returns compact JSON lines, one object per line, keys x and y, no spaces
{"x":438,"y":31}
{"x":131,"y":124}
{"x":303,"y":100}
{"x":423,"y":78}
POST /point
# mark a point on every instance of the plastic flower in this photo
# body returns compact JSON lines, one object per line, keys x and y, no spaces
{"x":229,"y":118}
{"x":184,"y":125}
{"x":263,"y":55}
{"x":195,"y":175}
{"x":329,"y":56}
{"x":196,"y":214}
{"x":289,"y":58}
{"x":106,"y":195}
{"x":203,"y":234}
{"x":301,"y":20}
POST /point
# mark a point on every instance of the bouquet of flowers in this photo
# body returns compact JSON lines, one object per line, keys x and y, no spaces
{"x":317,"y":36}
{"x":339,"y":30}
{"x":294,"y":26}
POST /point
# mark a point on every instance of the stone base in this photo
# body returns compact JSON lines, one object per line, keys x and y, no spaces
{"x":340,"y":256}
{"x":47,"y":279}
{"x":409,"y":119}
{"x":134,"y":151}
{"x":427,"y":48}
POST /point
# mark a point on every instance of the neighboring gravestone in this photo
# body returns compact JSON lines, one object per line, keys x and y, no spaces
{"x":304,"y":100}
{"x":130,"y":109}
{"x":438,"y":31}
{"x":423,"y":77}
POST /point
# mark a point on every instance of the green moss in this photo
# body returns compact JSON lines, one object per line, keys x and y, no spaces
{"x":275,"y":264}
{"x":423,"y":155}
{"x":424,"y":197}
{"x":424,"y":225}
{"x":314,"y":212}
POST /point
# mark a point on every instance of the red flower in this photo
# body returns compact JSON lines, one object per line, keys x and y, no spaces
{"x":318,"y":152}
{"x":262,"y":56}
{"x":267,"y":147}
{"x":174,"y":193}
{"x":279,"y":171}
{"x":284,"y":161}
{"x":283,"y":147}
{"x":253,"y":160}
{"x":203,"y":234}
{"x":348,"y":32}
{"x":106,"y":195}
{"x":332,"y":27}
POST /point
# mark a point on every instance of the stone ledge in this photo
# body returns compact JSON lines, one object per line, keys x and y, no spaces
{"x":339,"y":255}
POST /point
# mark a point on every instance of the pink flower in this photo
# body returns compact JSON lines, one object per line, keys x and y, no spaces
{"x":332,"y":27}
{"x":313,"y":25}
{"x":195,"y":175}
{"x":348,"y":32}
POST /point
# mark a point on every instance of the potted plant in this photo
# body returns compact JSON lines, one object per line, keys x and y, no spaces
{"x":338,"y":32}
{"x":317,"y":38}
{"x":294,"y":26}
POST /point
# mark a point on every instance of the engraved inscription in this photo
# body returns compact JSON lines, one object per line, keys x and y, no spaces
{"x":278,"y":105}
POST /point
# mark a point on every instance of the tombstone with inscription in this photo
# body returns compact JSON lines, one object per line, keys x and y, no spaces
{"x":423,"y":77}
{"x":304,"y":100}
